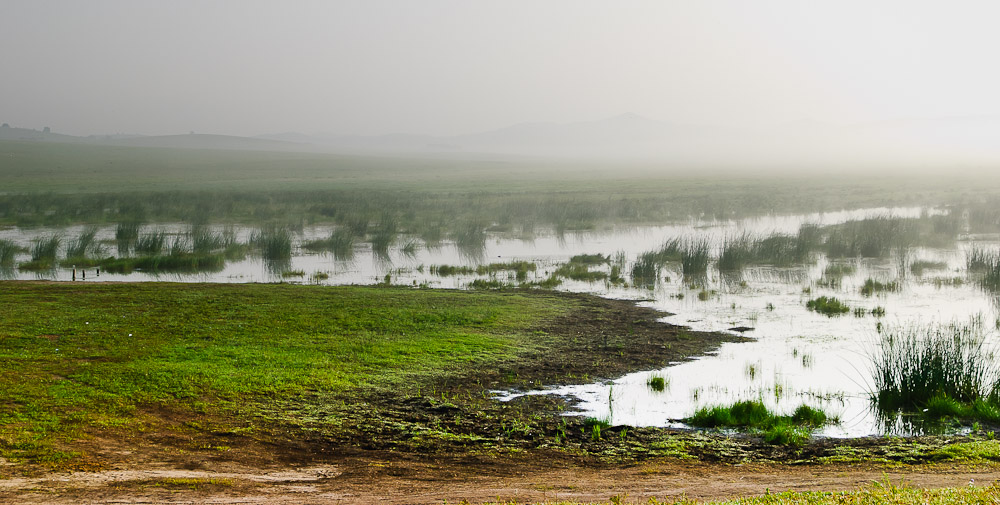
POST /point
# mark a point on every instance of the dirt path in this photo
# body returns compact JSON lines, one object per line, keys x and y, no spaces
{"x":381,"y":481}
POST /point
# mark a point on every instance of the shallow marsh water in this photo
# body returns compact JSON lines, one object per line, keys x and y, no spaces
{"x":798,"y":356}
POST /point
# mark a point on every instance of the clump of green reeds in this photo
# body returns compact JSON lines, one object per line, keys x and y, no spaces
{"x":125,"y":236}
{"x":737,"y":252}
{"x":979,"y":259}
{"x":695,"y":256}
{"x":870,"y":238}
{"x":470,"y":239}
{"x":873,"y":286}
{"x":8,"y":251}
{"x":580,"y":272}
{"x":915,"y":366}
{"x":43,"y":253}
{"x":46,"y":249}
{"x":150,"y":243}
{"x":646,"y":270}
{"x":656,"y":382}
{"x":987,"y":263}
{"x":204,"y":240}
{"x":741,"y":250}
{"x":590,"y":259}
{"x":753,"y":414}
{"x":274,"y":242}
{"x":828,"y":306}
{"x":384,"y":235}
{"x":446,"y":270}
{"x":183,"y":262}
{"x":84,"y":245}
{"x":340,"y":244}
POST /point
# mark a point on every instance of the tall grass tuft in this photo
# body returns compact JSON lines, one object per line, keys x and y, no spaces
{"x":914,"y":364}
{"x":84,"y":245}
{"x":274,"y":242}
{"x":46,"y":249}
{"x":8,"y":250}
{"x":870,"y":238}
{"x":737,"y":252}
{"x":204,"y":240}
{"x":150,"y":243}
{"x":125,"y":236}
{"x":987,"y":263}
{"x":384,"y":235}
{"x":695,"y":256}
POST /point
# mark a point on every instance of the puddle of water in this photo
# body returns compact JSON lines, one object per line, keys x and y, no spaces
{"x":799,"y":356}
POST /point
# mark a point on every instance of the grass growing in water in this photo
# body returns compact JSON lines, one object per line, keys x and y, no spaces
{"x":274,"y":242}
{"x":870,"y":238}
{"x":8,"y":250}
{"x":752,"y":414}
{"x":43,"y":253}
{"x":934,"y":367}
{"x":873,"y":286}
{"x":84,"y":245}
{"x":125,"y":236}
{"x":151,"y":243}
{"x":657,"y":383}
{"x":828,"y":306}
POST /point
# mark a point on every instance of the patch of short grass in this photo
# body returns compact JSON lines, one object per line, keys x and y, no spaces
{"x":79,"y":355}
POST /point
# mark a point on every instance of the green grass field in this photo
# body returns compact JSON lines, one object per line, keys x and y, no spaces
{"x":77,"y":358}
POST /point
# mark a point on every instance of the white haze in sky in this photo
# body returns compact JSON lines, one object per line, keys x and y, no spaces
{"x":451,"y":67}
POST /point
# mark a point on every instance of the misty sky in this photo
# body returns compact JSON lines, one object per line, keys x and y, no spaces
{"x":447,"y":67}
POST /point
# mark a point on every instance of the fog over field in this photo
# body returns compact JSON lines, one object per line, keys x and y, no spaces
{"x":775,"y":83}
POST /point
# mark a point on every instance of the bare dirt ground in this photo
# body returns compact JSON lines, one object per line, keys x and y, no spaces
{"x":389,"y":479}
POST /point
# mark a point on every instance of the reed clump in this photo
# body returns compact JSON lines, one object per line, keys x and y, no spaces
{"x":873,"y":286}
{"x":8,"y":251}
{"x":273,"y":242}
{"x":870,"y":238}
{"x":942,"y":369}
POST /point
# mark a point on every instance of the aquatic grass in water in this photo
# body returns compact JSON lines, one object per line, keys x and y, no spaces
{"x":870,"y":238}
{"x":274,"y":242}
{"x":8,"y":251}
{"x":205,"y":241}
{"x":828,"y":306}
{"x":753,"y":414}
{"x":125,"y":236}
{"x":84,"y":245}
{"x":873,"y":286}
{"x":150,"y":243}
{"x":181,"y":262}
{"x":912,"y":365}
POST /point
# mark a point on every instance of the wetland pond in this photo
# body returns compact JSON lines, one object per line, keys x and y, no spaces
{"x":891,"y":266}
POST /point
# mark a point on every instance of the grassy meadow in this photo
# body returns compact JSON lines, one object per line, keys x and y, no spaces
{"x":83,"y":358}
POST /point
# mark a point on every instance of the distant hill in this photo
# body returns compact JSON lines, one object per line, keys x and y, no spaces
{"x":207,"y":141}
{"x":630,"y":137}
{"x":12,"y":133}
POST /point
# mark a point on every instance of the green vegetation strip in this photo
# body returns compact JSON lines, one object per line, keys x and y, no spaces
{"x":878,"y":492}
{"x":77,"y":357}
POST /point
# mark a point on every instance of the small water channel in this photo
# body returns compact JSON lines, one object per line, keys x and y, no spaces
{"x":799,"y":356}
